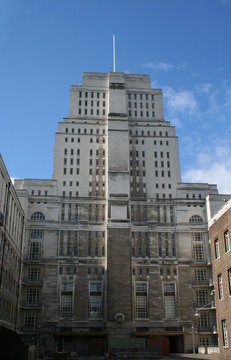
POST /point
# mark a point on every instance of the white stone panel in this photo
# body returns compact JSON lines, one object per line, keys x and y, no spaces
{"x":119,"y":212}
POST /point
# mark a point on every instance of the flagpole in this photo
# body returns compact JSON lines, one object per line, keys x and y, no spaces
{"x":113,"y":52}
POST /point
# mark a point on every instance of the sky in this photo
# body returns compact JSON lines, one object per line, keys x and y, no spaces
{"x":184,"y":45}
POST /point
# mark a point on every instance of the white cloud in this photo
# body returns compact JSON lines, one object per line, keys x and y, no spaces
{"x":180,"y":101}
{"x":155,"y":85}
{"x":203,"y":88}
{"x":217,"y":173}
{"x":175,"y":121}
{"x":212,"y":164}
{"x":159,"y":66}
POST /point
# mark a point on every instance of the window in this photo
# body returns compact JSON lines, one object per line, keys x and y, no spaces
{"x":32,"y":296}
{"x":197,"y":236}
{"x":227,"y":243}
{"x":202,"y":297}
{"x":38,"y":216}
{"x":224,"y":332}
{"x":229,"y":280}
{"x":196,"y":219}
{"x":203,"y":320}
{"x":66,"y":304}
{"x":200,"y":276}
{"x":36,"y":234}
{"x":216,"y":248}
{"x":198,"y":253}
{"x":31,"y":320}
{"x":141,"y":300}
{"x":34,"y":251}
{"x":33,"y":274}
{"x":95,"y":300}
{"x":220,"y":286}
{"x":169,"y":301}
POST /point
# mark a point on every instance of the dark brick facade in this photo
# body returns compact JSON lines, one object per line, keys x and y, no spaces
{"x":221,"y":263}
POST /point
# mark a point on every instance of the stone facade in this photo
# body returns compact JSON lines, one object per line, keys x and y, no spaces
{"x":219,"y":231}
{"x":116,"y":246}
{"x":12,"y":228}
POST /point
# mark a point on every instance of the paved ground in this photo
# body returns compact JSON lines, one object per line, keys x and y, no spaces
{"x":187,"y":356}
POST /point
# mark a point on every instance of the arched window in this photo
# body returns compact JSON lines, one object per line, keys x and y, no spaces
{"x":37,"y":216}
{"x":196,"y":219}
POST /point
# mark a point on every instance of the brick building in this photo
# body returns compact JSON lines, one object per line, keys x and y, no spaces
{"x":220,"y":230}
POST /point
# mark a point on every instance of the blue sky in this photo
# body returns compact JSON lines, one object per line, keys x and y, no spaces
{"x":185,"y":46}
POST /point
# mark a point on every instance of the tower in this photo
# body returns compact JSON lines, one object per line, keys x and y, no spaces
{"x":123,"y":244}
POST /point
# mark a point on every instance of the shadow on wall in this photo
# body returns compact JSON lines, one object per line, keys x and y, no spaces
{"x":11,"y":346}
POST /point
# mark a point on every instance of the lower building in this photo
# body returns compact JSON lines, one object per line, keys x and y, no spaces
{"x":12,"y":229}
{"x":219,"y":231}
{"x":137,"y":285}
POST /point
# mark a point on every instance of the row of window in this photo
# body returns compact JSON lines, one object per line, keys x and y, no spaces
{"x":141,"y":113}
{"x":157,"y":173}
{"x":163,"y":252}
{"x":134,"y":132}
{"x":136,"y":163}
{"x":142,"y":142}
{"x":69,"y":250}
{"x":39,"y":192}
{"x":70,"y":194}
{"x":92,"y":94}
{"x":140,"y":96}
{"x":97,"y":152}
{"x":141,"y":105}
{"x":193,"y":196}
{"x":92,"y":103}
{"x":85,"y":131}
{"x":97,"y":112}
{"x":77,"y":171}
{"x":66,"y":139}
{"x":148,"y":133}
{"x":71,"y":183}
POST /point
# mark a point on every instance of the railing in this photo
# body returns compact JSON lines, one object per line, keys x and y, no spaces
{"x":31,"y":306}
{"x":200,"y":282}
{"x":38,"y":282}
{"x":201,"y":307}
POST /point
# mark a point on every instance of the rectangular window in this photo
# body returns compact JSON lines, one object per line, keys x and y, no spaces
{"x":95,"y":300}
{"x":229,"y":280}
{"x":197,"y":236}
{"x":141,"y":300}
{"x":200,"y":276}
{"x":220,"y":286}
{"x":202,"y":297}
{"x":216,"y":248}
{"x":31,"y":320}
{"x":66,"y":304}
{"x":36,"y":234}
{"x":33,"y":274}
{"x":224,"y":332}
{"x":203,"y":321}
{"x":169,"y":300}
{"x":198,"y":253}
{"x":32,"y":296}
{"x":34,"y":251}
{"x":227,"y":243}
